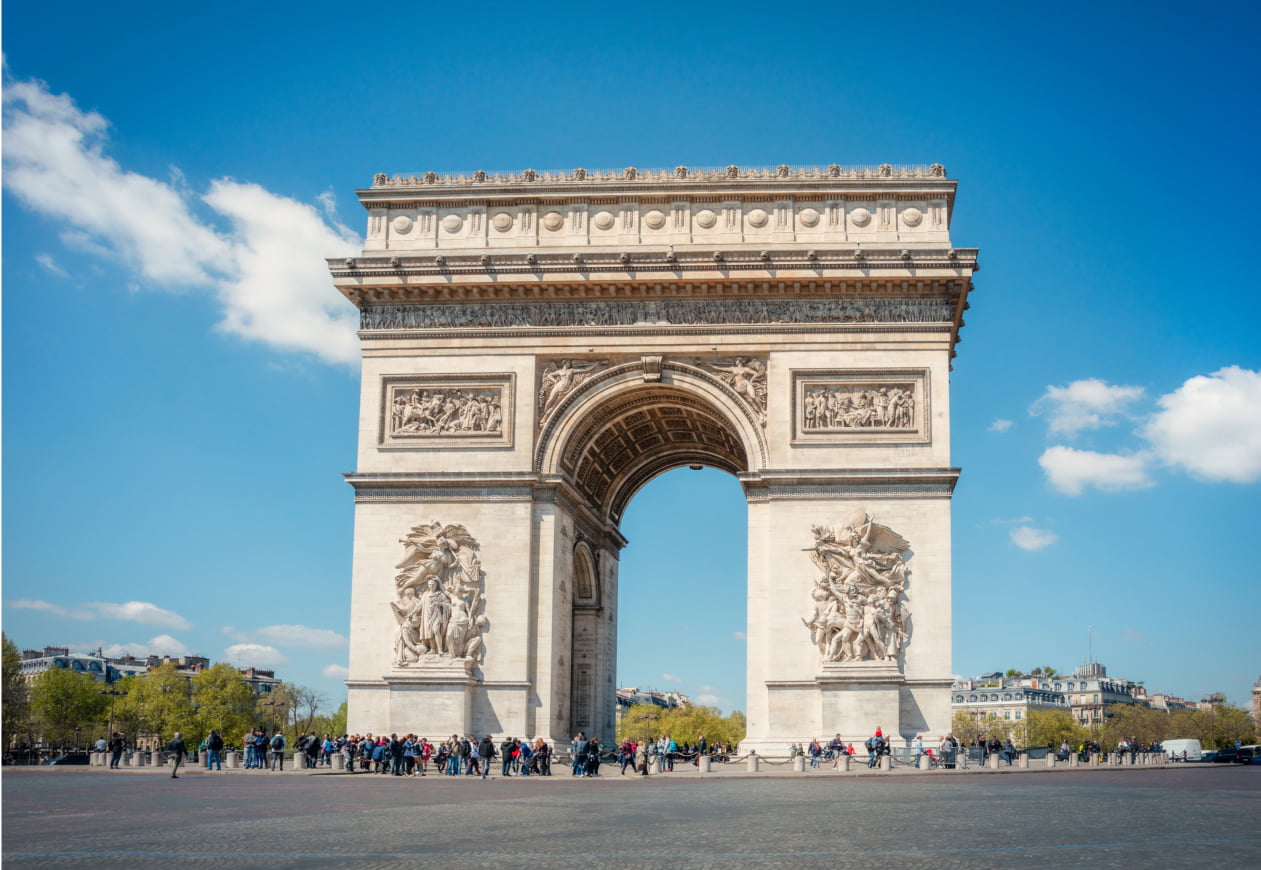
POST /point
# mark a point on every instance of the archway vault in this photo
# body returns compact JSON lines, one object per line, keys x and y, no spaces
{"x":633,"y":422}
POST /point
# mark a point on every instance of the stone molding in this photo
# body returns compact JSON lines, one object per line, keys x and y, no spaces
{"x":664,"y":263}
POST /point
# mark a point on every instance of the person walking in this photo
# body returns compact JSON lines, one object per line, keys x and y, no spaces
{"x":177,"y":749}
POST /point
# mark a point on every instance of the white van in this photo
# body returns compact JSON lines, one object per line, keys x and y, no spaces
{"x":1175,"y":748}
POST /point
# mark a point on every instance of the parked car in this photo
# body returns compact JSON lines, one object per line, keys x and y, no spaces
{"x":1230,"y":755}
{"x":1208,"y":755}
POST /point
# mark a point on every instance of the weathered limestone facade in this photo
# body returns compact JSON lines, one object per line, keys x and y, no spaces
{"x":537,"y":347}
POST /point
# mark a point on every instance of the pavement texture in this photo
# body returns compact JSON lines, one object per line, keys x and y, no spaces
{"x":1178,"y":816}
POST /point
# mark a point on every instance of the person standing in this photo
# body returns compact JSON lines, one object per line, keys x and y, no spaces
{"x":116,"y":746}
{"x":177,"y":749}
{"x":919,"y":748}
{"x":641,"y":757}
{"x":485,"y":752}
{"x":278,"y":752}
{"x":214,"y":747}
{"x":578,"y":750}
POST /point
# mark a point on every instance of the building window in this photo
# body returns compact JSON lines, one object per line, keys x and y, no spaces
{"x":1017,"y":714}
{"x":972,"y":698}
{"x":1006,"y":714}
{"x":1096,"y":701}
{"x":958,"y":699}
{"x":1006,"y":696}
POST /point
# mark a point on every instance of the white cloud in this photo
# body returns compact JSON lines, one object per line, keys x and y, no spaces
{"x":336,"y":672}
{"x":267,"y":271}
{"x":1016,"y":521}
{"x":1070,"y":471}
{"x":739,"y":635}
{"x":54,"y":609}
{"x":707,"y":699}
{"x":162,"y":645}
{"x":1000,"y":425}
{"x":1086,"y":404}
{"x":142,"y":612}
{"x":50,"y":264}
{"x":671,"y":678}
{"x":133,"y":611}
{"x":288,"y":635}
{"x":1211,"y":426}
{"x":254,"y":654}
{"x":1029,"y":538}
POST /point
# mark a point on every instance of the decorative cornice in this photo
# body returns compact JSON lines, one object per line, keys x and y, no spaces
{"x":668,"y":265}
{"x":681,"y":176}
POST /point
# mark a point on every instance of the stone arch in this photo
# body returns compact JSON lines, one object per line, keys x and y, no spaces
{"x":630,"y":423}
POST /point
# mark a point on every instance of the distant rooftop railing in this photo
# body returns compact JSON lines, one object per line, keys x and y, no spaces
{"x":680,"y":174}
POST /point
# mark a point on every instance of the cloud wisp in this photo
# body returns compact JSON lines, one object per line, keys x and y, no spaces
{"x":254,"y":655}
{"x":1032,"y":539}
{"x":132,"y":611}
{"x":289,"y":635}
{"x":1086,"y":404}
{"x":267,"y":270}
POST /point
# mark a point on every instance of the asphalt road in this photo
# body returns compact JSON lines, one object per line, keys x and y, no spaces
{"x":1193,"y":816}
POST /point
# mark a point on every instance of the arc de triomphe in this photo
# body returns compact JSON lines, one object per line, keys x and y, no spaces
{"x":537,"y":347}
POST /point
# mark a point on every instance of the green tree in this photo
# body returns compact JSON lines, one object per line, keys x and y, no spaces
{"x":683,"y":724}
{"x":1052,"y":727}
{"x":161,"y":702}
{"x":66,"y":706}
{"x":224,"y":701}
{"x":16,"y":697}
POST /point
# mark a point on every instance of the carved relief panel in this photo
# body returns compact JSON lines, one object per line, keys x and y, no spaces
{"x":859,"y":609}
{"x":864,"y":406}
{"x":447,"y":410}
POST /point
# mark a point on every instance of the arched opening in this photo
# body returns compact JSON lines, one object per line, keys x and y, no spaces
{"x":682,"y":591}
{"x":608,"y":442}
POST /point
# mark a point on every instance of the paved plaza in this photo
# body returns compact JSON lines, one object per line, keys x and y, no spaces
{"x":1176,"y":816}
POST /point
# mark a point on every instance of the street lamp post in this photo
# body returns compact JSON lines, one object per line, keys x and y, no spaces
{"x":113,"y":694}
{"x":272,"y":705}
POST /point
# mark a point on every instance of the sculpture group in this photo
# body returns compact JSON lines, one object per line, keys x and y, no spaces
{"x":439,"y":604}
{"x":443,"y":412}
{"x":858,"y":610}
{"x":870,"y":408}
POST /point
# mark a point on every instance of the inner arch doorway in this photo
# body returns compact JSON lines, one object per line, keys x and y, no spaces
{"x":619,"y":432}
{"x":536,"y":347}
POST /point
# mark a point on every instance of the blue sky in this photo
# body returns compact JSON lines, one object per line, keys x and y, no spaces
{"x":179,"y":393}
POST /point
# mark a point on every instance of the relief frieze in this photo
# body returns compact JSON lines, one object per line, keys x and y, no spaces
{"x":860,"y":406}
{"x":652,"y":312}
{"x":446,"y":410}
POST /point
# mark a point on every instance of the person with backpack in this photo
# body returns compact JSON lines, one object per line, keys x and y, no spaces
{"x":278,"y":752}
{"x":214,"y":746}
{"x":485,"y":752}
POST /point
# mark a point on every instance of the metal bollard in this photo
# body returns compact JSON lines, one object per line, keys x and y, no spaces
{"x":842,"y":763}
{"x":755,"y":763}
{"x":886,"y":763}
{"x":925,"y":762}
{"x":339,"y":761}
{"x":232,"y":760}
{"x":706,"y":764}
{"x":799,"y":764}
{"x":299,"y":761}
{"x":992,"y":761}
{"x":1050,"y":759}
{"x":1022,"y":761}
